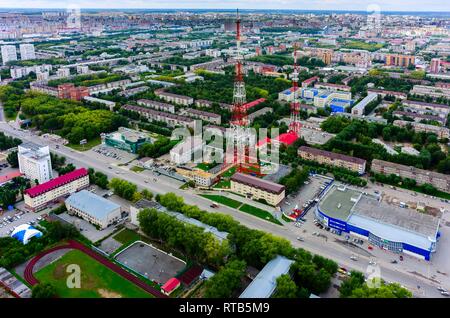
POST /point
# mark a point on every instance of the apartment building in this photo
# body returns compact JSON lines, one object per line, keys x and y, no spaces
{"x":251,"y":117}
{"x":38,"y":197}
{"x":433,"y":91}
{"x":384,"y":93}
{"x":200,"y":177}
{"x":440,"y":110}
{"x":171,"y":120}
{"x":256,"y":188}
{"x":419,"y":117}
{"x":360,"y":108}
{"x":203,"y":115}
{"x":35,"y":162}
{"x":9,"y":53}
{"x":44,"y":89}
{"x":441,"y":132}
{"x":70,"y":91}
{"x":209,"y":104}
{"x":439,"y":180}
{"x":332,"y":159}
{"x":157,"y":105}
{"x":333,"y":87}
{"x":174,"y":98}
{"x":27,"y":52}
{"x":400,"y":60}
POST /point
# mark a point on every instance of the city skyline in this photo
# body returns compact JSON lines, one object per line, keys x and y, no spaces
{"x":326,"y":5}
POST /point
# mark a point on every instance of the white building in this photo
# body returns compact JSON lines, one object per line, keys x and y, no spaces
{"x":35,"y":162}
{"x":27,"y":52}
{"x":9,"y":53}
{"x":93,"y":208}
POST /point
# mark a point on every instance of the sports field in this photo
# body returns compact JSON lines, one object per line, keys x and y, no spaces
{"x":97,"y":281}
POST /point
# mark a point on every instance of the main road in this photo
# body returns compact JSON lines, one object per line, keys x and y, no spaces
{"x":340,"y":254}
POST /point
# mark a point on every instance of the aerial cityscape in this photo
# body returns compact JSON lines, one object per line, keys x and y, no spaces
{"x":232,"y":150}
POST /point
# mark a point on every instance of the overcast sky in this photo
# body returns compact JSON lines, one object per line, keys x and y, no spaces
{"x":385,"y":5}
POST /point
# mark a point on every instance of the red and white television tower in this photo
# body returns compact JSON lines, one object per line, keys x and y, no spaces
{"x":294,"y":124}
{"x":239,"y":113}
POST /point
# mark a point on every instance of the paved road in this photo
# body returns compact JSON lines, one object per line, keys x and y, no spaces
{"x":340,"y":254}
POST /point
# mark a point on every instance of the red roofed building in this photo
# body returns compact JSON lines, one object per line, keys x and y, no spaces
{"x":287,"y":138}
{"x":38,"y":197}
{"x":254,"y":103}
{"x":170,"y":286}
{"x":309,"y":81}
{"x":8,"y":177}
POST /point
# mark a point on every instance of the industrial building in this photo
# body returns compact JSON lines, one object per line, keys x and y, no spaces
{"x":38,"y":197}
{"x":126,"y":139}
{"x":93,"y":208}
{"x":257,"y":188}
{"x":35,"y":162}
{"x":265,"y":282}
{"x":393,"y":228}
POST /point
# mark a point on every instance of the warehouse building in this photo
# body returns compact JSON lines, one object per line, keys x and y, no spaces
{"x":93,"y":208}
{"x":389,"y":227}
{"x":38,"y":197}
{"x":257,"y":188}
{"x":126,"y":139}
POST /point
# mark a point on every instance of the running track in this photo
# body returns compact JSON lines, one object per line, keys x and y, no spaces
{"x":29,"y":277}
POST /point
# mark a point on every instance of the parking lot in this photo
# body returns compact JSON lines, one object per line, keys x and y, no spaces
{"x":9,"y":220}
{"x":111,"y":155}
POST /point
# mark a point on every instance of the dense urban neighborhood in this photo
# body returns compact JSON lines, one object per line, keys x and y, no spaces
{"x":224,"y":154}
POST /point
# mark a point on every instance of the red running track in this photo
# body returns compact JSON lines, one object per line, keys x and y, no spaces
{"x":29,"y":277}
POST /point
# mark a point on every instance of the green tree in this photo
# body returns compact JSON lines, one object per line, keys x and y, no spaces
{"x":226,"y":280}
{"x":43,"y":290}
{"x":286,"y":287}
{"x":13,"y":159}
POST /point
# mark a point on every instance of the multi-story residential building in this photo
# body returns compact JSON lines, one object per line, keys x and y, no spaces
{"x":18,"y":72}
{"x":9,"y":53}
{"x":44,"y":89}
{"x":170,"y":119}
{"x":333,"y":87}
{"x":93,"y":208}
{"x":184,"y":151}
{"x":441,"y":132}
{"x":134,"y":91}
{"x":257,"y":189}
{"x":432,"y":91}
{"x":35,"y":162}
{"x":384,"y":93}
{"x":332,"y":159}
{"x":435,"y":65}
{"x":108,"y":86}
{"x":38,"y":197}
{"x":157,"y":105}
{"x":69,"y":91}
{"x":441,"y":110}
{"x":439,"y":180}
{"x":359,"y":108}
{"x":251,"y":117}
{"x":400,"y":60}
{"x":200,"y":177}
{"x":174,"y":98}
{"x":203,"y":115}
{"x":63,"y":72}
{"x":420,"y":117}
{"x":27,"y":52}
{"x":209,"y":104}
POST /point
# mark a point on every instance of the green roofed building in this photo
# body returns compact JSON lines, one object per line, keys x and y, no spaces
{"x":126,"y":139}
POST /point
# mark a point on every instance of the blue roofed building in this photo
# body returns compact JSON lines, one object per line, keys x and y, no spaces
{"x":340,"y":105}
{"x":265,"y":282}
{"x":93,"y":208}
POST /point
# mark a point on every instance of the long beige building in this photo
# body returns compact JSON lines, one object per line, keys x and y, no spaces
{"x":38,"y":197}
{"x":257,"y":188}
{"x":439,"y":180}
{"x":441,"y":132}
{"x":333,"y":159}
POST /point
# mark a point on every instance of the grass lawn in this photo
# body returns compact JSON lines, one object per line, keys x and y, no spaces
{"x":97,"y":281}
{"x":137,"y":169}
{"x":90,"y":144}
{"x":206,"y":166}
{"x":229,"y":173}
{"x":259,"y":213}
{"x":223,"y":200}
{"x":126,"y":236}
{"x":223,"y":184}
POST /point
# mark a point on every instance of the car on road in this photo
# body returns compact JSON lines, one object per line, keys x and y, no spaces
{"x":300,"y":239}
{"x":214,"y":206}
{"x":353,"y":258}
{"x":394,"y":261}
{"x":441,"y":289}
{"x":445,"y":293}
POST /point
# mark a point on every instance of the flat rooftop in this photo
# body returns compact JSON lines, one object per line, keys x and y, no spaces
{"x":404,"y":218}
{"x":338,"y":204}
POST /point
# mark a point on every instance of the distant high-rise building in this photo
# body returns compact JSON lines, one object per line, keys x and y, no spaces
{"x":435,"y":65}
{"x":9,"y":53}
{"x":400,"y":60}
{"x":27,"y":52}
{"x":35,"y":162}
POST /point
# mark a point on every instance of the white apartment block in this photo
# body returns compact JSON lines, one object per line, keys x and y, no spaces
{"x":9,"y":53}
{"x":27,"y":52}
{"x":35,"y":162}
